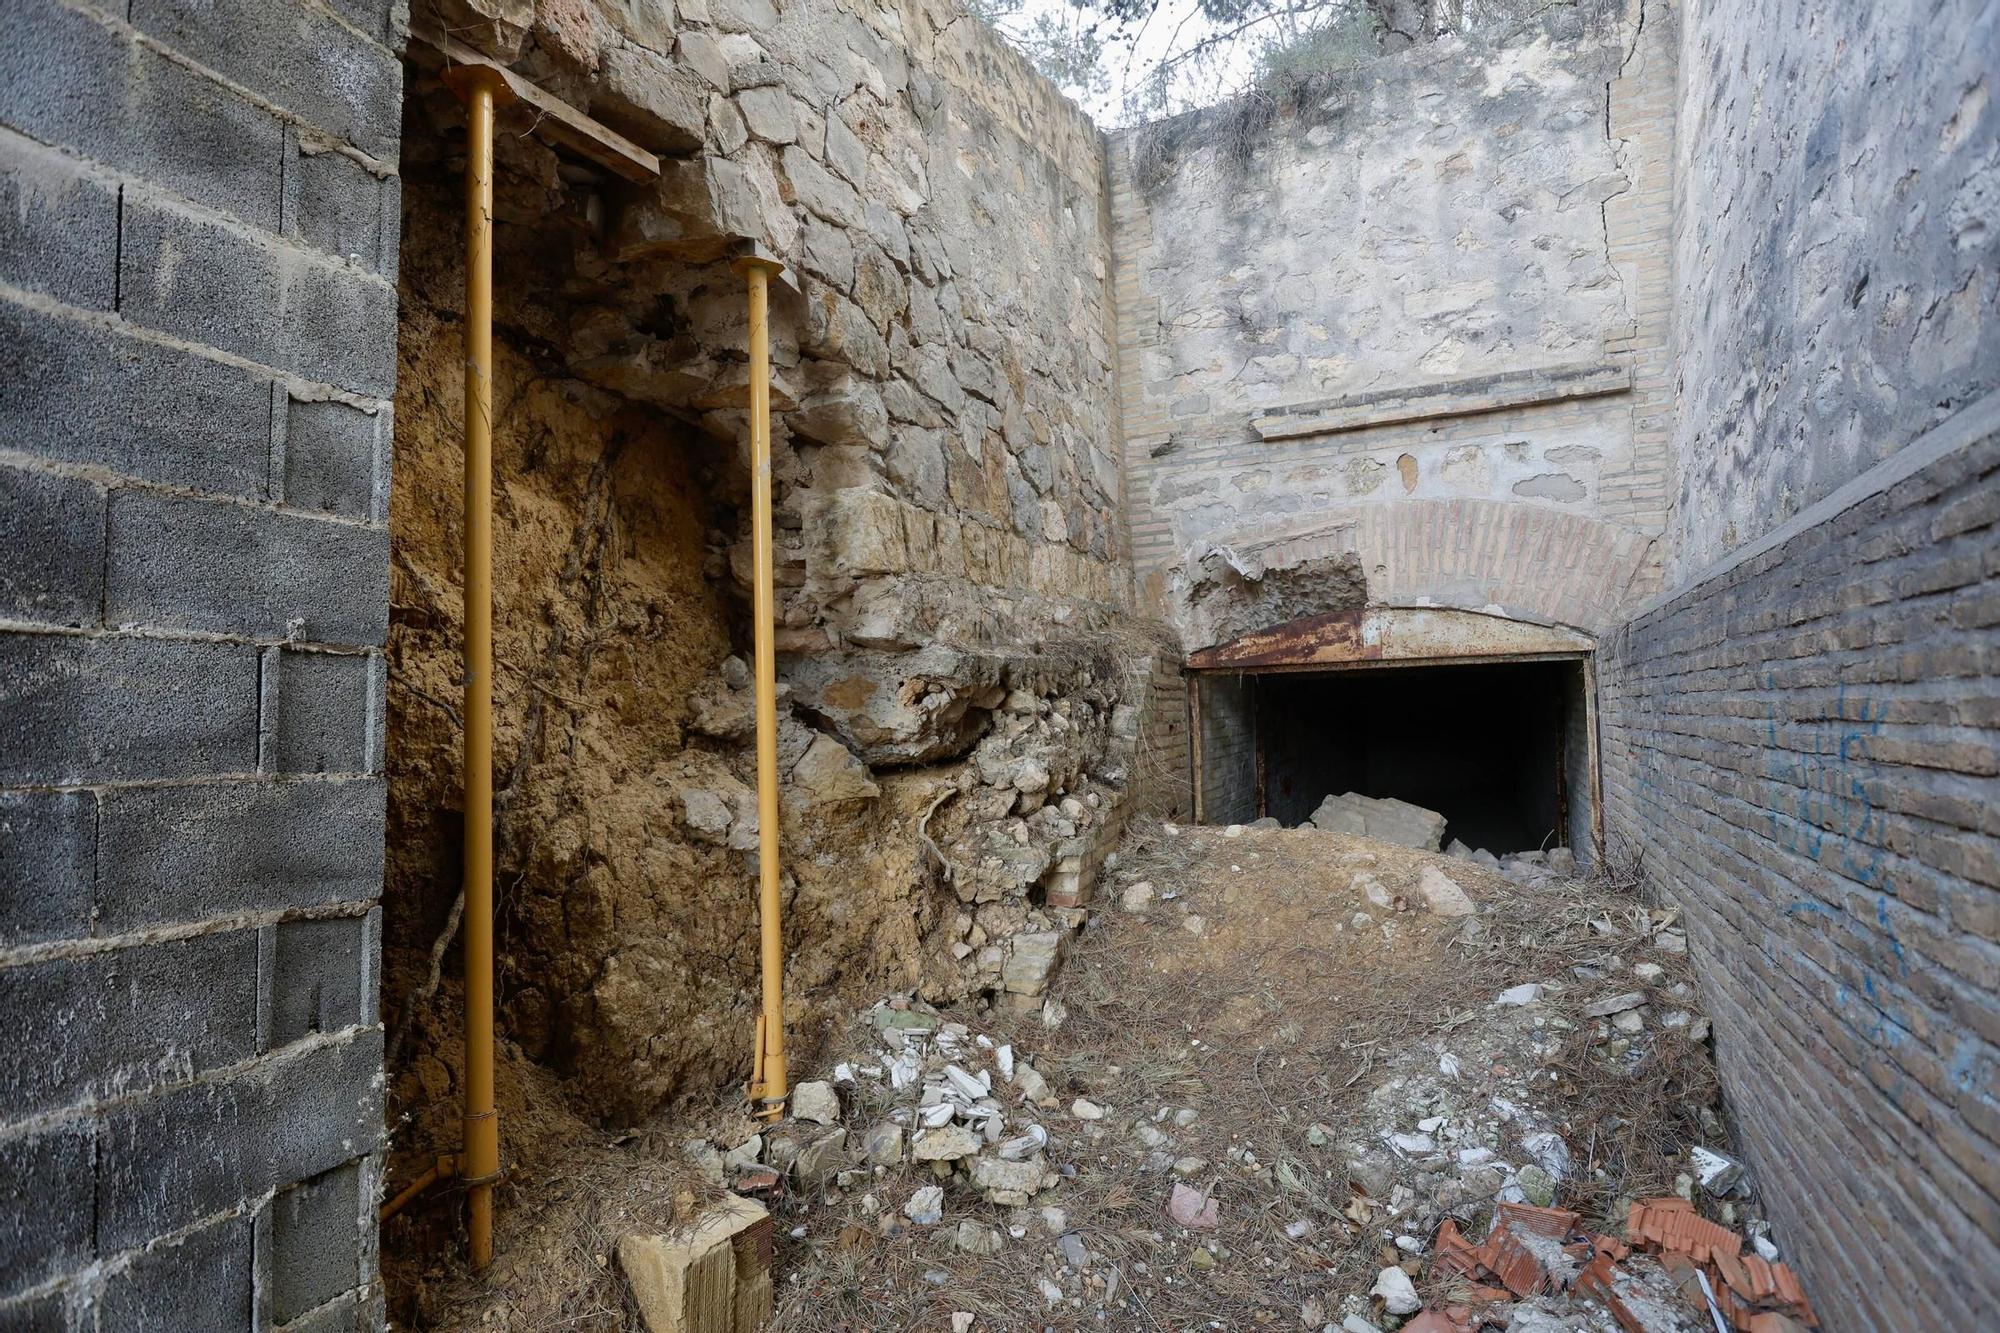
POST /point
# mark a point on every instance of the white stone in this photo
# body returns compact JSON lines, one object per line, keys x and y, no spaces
{"x":1514,"y":996}
{"x":816,"y":1101}
{"x":1085,"y":1109}
{"x":926,"y":1206}
{"x":1399,"y":1296}
{"x":947,"y":1143}
{"x":1442,"y":895}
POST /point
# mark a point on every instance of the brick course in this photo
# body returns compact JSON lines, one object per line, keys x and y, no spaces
{"x":197,"y":337}
{"x":1799,"y":750}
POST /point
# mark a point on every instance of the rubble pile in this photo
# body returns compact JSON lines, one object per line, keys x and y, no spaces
{"x":960,"y":1107}
{"x":1018,"y":827}
{"x":1675,"y":1272}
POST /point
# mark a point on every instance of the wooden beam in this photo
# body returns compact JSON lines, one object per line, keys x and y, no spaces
{"x":551,"y":118}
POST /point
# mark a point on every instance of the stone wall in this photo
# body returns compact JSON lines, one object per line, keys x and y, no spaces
{"x":1416,"y":311}
{"x":958,"y":730}
{"x":1836,"y":290}
{"x":1800,"y":751}
{"x":197,"y":291}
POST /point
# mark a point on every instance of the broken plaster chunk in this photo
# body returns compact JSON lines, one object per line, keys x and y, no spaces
{"x":926,"y":1206}
{"x":1617,"y":1004}
{"x":946,"y":1143}
{"x":1009,"y":1184}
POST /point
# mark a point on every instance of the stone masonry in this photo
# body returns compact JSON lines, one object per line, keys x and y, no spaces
{"x":1345,"y":330}
{"x":1835,"y":290}
{"x":198,"y":301}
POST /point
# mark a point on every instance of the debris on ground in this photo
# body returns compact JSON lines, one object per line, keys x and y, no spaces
{"x":1674,"y":1272}
{"x":1283,"y":1121}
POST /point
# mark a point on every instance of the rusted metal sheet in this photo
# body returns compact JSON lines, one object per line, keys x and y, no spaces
{"x":1335,"y":636}
{"x":1389,"y":634}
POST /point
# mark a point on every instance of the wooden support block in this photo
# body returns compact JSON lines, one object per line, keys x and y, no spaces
{"x":713,"y":1277}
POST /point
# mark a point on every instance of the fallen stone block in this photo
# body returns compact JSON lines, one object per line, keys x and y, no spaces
{"x":1384,"y":819}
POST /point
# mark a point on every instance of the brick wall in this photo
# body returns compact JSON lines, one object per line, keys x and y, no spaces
{"x":1803,"y":750}
{"x":197,"y":342}
{"x":1228,"y":747}
{"x":1162,"y":777}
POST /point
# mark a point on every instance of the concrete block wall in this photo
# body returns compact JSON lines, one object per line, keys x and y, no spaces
{"x":197,"y":352}
{"x":1802,"y":750}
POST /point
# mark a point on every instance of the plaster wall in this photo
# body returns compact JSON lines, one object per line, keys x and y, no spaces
{"x":1835,"y":285}
{"x":1421,"y":298}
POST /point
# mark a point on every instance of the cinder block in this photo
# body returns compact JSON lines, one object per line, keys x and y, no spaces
{"x":48,"y":1206}
{"x":132,"y":406}
{"x":182,"y":563}
{"x":210,"y":283}
{"x":188,"y":853}
{"x":64,"y":1310}
{"x":61,"y":236}
{"x":66,"y":78}
{"x":316,"y":1242}
{"x":334,"y":458}
{"x":336,"y":205}
{"x":48,"y":857}
{"x":168,"y":1160}
{"x":345,"y":1314}
{"x":319,"y":712}
{"x":76,"y":710}
{"x":318,"y":972}
{"x":51,"y":548}
{"x":206,"y":1280}
{"x":131,"y":1019}
{"x":295,"y":55}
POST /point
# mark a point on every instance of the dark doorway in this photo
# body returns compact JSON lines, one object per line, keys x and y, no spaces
{"x":1500,"y":749}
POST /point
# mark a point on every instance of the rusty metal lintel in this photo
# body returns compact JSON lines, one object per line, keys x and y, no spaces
{"x":1335,"y":635}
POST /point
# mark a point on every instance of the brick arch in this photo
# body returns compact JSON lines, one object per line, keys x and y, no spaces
{"x":1525,"y":562}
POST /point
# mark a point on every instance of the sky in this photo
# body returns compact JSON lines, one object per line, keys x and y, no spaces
{"x":1130,"y":60}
